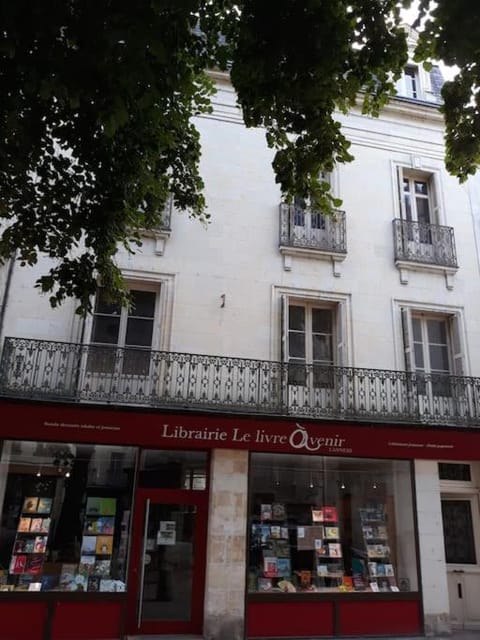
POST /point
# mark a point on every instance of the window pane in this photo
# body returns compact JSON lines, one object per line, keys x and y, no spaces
{"x":143,"y":304}
{"x":419,"y":361}
{"x":319,"y":523}
{"x":423,"y":211}
{"x":417,"y":329}
{"x":454,"y":471}
{"x":296,"y":318}
{"x":296,"y":345}
{"x":139,"y":332}
{"x":322,"y":320}
{"x":439,"y":359}
{"x":458,"y":532}
{"x":65,"y":514}
{"x":174,"y":470}
{"x":421,"y":187}
{"x":322,"y":348}
{"x":102,"y":306}
{"x":408,"y":208}
{"x":317,"y":221}
{"x":105,"y":329}
{"x":406,"y":184}
{"x":437,"y":331}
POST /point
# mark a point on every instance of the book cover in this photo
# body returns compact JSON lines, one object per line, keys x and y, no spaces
{"x":36,"y":525}
{"x":107,"y":584}
{"x":284,"y":533}
{"x":359,"y":583}
{"x":265,"y":512}
{"x":35,"y":563}
{"x":90,"y":526}
{"x":50,"y":582}
{"x":372,"y":568}
{"x":35,"y":586}
{"x":275,"y":531}
{"x":347,"y":583}
{"x":40,"y":544}
{"x":284,"y":567}
{"x":332,"y":532}
{"x":93,"y":506}
{"x":382,"y":531}
{"x":305,"y":578}
{"x":89,"y":544}
{"x":264,"y":584}
{"x":104,"y":545}
{"x":30,"y":505}
{"x":102,"y":568}
{"x":86,"y":565}
{"x":389,"y":570}
{"x":334,"y":549}
{"x":93,"y":583}
{"x":29,"y":545}
{"x":24,"y":525}
{"x":19,"y":545}
{"x":18,"y":564}
{"x":265,"y":529}
{"x":105,"y":525}
{"x":108,"y":506}
{"x":368,"y":532}
{"x":44,"y":505}
{"x":269,"y":567}
{"x":329,"y":514}
{"x":383,"y":584}
{"x":45,"y":526}
{"x":281,"y":548}
{"x":322,"y":570}
{"x":67,"y":577}
{"x":374,"y":586}
{"x":317,"y":514}
{"x":278,"y":511}
{"x":80,"y":583}
{"x":380,"y":569}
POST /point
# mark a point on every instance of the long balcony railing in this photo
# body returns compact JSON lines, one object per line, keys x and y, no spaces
{"x":426,"y":243}
{"x":44,"y":370}
{"x":306,"y":228}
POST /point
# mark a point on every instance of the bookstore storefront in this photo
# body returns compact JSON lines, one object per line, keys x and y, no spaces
{"x":104,"y":518}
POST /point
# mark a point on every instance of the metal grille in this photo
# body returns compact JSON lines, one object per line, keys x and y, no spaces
{"x":56,"y":370}
{"x":309,"y":229}
{"x":426,"y":243}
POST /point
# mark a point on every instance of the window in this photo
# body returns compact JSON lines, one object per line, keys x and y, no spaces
{"x":323,"y":524}
{"x":458,"y":531}
{"x":433,"y":350}
{"x":417,"y":204}
{"x":128,"y":328}
{"x":411,"y":82}
{"x":65,"y":516}
{"x":310,"y":339}
{"x":454,"y":471}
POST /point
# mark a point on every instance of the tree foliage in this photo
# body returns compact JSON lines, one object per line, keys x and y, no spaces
{"x":97,"y":102}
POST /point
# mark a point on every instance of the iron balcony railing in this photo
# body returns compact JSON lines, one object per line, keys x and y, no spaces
{"x":426,"y":243}
{"x":309,"y":229}
{"x":44,"y":370}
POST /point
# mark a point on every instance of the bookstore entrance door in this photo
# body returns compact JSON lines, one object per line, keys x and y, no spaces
{"x":167,"y":564}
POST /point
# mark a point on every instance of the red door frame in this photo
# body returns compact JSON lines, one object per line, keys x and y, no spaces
{"x":168,"y":496}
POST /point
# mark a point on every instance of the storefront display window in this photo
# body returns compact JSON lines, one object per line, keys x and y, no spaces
{"x":325,"y":524}
{"x":65,"y":516}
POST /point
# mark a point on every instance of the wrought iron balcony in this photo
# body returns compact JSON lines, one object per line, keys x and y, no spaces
{"x":425,"y":243}
{"x":44,"y":370}
{"x":306,"y":228}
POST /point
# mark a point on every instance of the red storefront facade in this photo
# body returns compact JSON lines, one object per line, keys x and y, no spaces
{"x":331,"y":612}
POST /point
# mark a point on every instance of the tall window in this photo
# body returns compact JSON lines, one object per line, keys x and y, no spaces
{"x":411,"y":82}
{"x":310,"y":338}
{"x":129,"y":328}
{"x":433,"y":349}
{"x":416,"y":198}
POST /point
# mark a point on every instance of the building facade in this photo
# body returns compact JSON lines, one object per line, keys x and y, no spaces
{"x":280,"y":437}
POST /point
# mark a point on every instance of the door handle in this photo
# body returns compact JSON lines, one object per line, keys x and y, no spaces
{"x":459,"y":590}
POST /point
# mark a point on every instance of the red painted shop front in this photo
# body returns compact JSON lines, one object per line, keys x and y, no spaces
{"x":84,"y":615}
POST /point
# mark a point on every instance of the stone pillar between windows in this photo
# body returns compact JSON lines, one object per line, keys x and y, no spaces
{"x":436,"y":607}
{"x":226,"y":546}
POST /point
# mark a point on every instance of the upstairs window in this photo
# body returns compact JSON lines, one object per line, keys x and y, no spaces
{"x":411,"y":82}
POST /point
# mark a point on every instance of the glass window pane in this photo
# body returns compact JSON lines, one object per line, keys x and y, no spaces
{"x":437,"y":331}
{"x":143,"y":304}
{"x":417,"y":329}
{"x":139,"y":332}
{"x":408,"y":208}
{"x":321,"y":320}
{"x":406,"y":184}
{"x":65,"y":515}
{"x":419,"y":361}
{"x":320,"y":523}
{"x":174,"y":470}
{"x":322,"y":348}
{"x":105,"y":329}
{"x":136,"y":361}
{"x":423,"y":211}
{"x":421,"y":187}
{"x":454,"y":471}
{"x":317,"y":221}
{"x":458,"y":532}
{"x":296,"y":345}
{"x":103,"y":306}
{"x":296,"y":318}
{"x":439,"y":359}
